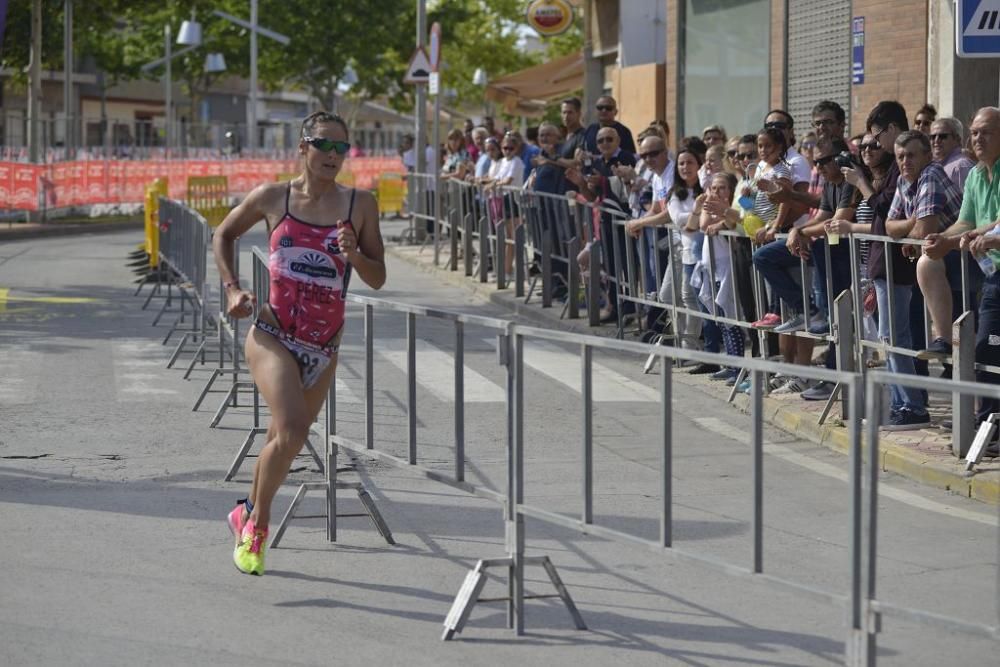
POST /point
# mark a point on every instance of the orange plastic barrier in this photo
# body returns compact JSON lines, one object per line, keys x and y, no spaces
{"x":80,"y":183}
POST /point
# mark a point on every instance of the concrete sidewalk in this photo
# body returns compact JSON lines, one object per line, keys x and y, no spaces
{"x":924,"y":455}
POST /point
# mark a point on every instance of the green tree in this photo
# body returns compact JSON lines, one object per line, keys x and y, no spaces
{"x":373,"y":37}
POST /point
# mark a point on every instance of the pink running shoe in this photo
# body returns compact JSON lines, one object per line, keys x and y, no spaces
{"x":235,"y":521}
{"x":769,"y":321}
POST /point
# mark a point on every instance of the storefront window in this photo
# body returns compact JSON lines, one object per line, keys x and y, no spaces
{"x":726,"y":64}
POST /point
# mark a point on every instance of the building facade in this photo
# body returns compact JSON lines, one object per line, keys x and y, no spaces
{"x":701,"y":62}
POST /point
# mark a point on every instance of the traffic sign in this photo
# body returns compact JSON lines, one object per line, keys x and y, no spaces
{"x":419,"y":69}
{"x":977,"y":28}
{"x":434,"y":44}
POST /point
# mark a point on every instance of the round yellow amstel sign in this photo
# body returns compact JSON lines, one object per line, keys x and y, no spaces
{"x":549,"y":17}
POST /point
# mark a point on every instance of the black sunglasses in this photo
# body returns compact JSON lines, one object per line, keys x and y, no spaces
{"x":746,"y":156}
{"x":777,"y":125}
{"x":507,"y":148}
{"x":870,"y":146}
{"x":651,"y":154}
{"x":731,"y":154}
{"x":604,"y":107}
{"x":823,"y":161}
{"x":939,"y":135}
{"x":327,"y":145}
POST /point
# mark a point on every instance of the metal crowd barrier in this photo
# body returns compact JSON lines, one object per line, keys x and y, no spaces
{"x":184,"y":243}
{"x":857,"y":601}
{"x":864,"y":609}
{"x":963,"y":362}
{"x":229,"y":348}
{"x":868,"y":609}
{"x":555,"y":228}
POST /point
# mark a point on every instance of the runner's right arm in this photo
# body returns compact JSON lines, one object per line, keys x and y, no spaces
{"x":238,"y":222}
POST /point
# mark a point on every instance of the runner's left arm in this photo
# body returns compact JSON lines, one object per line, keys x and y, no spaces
{"x":368,"y":257}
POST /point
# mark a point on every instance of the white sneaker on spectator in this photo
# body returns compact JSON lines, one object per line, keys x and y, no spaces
{"x":818,"y":325}
{"x":777,"y":380}
{"x":792,"y":386}
{"x":794,"y":324}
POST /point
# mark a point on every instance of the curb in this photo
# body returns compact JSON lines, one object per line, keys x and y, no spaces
{"x":57,"y":229}
{"x":982,"y":486}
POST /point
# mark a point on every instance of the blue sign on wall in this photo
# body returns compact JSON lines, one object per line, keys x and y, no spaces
{"x":858,"y":50}
{"x":977,"y":28}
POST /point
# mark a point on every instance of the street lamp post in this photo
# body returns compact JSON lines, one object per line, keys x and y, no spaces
{"x":254,"y":30}
{"x":479,"y":79}
{"x":190,"y":38}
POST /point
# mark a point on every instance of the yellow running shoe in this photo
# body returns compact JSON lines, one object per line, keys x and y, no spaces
{"x":249,"y":552}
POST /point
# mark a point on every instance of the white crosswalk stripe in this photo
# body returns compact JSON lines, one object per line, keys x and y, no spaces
{"x":18,"y":371}
{"x":345,"y":394}
{"x":565,"y":367}
{"x":436,"y":372}
{"x":138,"y":368}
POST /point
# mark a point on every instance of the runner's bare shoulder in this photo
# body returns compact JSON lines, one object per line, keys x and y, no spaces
{"x":268,"y":199}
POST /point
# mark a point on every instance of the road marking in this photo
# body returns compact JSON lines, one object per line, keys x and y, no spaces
{"x":908,"y":497}
{"x":344,"y":393}
{"x":6,"y":298}
{"x":564,"y":367}
{"x":134,"y":358}
{"x":19,"y":368}
{"x":436,"y":372}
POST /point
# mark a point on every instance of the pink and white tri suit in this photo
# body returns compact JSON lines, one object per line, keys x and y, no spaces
{"x":309,"y":278}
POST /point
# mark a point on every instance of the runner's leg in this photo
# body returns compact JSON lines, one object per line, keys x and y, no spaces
{"x":293,"y":410}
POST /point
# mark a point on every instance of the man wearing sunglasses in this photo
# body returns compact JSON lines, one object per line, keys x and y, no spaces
{"x":320,"y":232}
{"x":607,"y":109}
{"x":974,"y":231}
{"x":946,"y":135}
{"x":828,"y":122}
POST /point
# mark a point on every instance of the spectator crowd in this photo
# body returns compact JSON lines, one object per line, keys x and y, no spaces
{"x":787,"y":198}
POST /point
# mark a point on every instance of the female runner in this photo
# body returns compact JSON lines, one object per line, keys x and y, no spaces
{"x":319,"y":232}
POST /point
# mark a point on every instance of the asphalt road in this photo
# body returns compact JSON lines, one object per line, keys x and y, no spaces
{"x":112,"y":504}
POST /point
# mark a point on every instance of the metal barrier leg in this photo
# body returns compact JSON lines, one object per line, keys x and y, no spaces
{"x":373,"y":513}
{"x":290,"y":513}
{"x":843,"y":335}
{"x":208,"y":386}
{"x":244,"y":450}
{"x":573,"y":290}
{"x":546,"y":269}
{"x":467,"y":243}
{"x":331,"y":514}
{"x":230,"y":399}
{"x":163,"y":309}
{"x":962,"y":405}
{"x":515,"y":562}
{"x":188,"y":335}
{"x":320,"y":466}
{"x":484,"y":249}
{"x":198,"y":354}
{"x":519,"y":260}
{"x":472,"y":587}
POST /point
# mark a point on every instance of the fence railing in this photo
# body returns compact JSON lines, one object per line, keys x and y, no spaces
{"x":70,"y":138}
{"x":186,"y":259}
{"x":480,"y":226}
